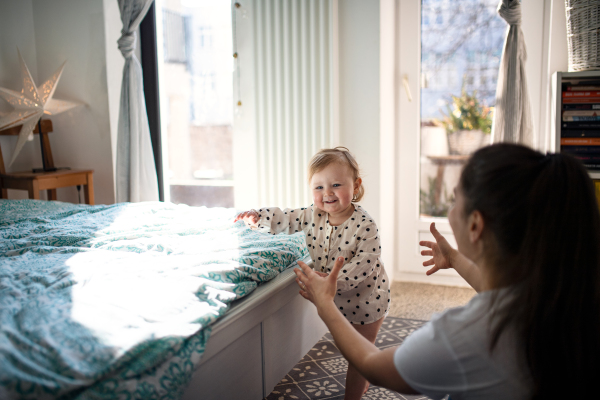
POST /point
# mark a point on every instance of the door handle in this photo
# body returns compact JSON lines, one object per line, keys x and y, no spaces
{"x":406,"y":87}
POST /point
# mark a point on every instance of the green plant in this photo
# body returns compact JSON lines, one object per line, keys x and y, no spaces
{"x":429,"y":205}
{"x":465,"y":113}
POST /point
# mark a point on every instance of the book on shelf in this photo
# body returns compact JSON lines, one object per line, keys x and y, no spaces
{"x":579,"y":142}
{"x":581,"y":149}
{"x":576,"y":118}
{"x":581,"y":113}
{"x":582,"y":88}
{"x":578,"y":106}
{"x":574,"y":82}
{"x":590,"y":93}
{"x":581,"y":100}
{"x":581,"y":124}
{"x":575,"y":133}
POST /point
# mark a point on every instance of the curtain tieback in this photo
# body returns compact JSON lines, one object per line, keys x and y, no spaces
{"x":127,"y":44}
{"x":510,"y":11}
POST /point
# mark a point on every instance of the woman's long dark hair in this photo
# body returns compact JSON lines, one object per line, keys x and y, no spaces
{"x":543,"y":214}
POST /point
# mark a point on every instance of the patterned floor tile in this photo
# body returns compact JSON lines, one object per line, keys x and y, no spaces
{"x":386,"y":339}
{"x":321,"y":374}
{"x":323,"y":349}
{"x":334,"y":365}
{"x":306,"y":371}
{"x":286,"y":392}
{"x":391,"y":324}
{"x":379,"y":393}
{"x":322,"y":388}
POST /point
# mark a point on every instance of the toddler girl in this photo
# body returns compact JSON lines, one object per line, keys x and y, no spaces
{"x":335,"y":226}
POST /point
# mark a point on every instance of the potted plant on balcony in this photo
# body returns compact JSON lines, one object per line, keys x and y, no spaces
{"x":468,"y":124}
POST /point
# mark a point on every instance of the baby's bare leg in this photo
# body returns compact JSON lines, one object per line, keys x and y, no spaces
{"x":356,"y":385}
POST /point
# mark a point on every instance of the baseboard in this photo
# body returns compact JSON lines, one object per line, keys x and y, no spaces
{"x":434,"y":279}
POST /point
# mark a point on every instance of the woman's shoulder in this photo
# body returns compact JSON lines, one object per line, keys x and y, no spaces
{"x":468,"y":325}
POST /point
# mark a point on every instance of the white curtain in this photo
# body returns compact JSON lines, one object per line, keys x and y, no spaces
{"x":512,"y":116}
{"x":136,"y":171}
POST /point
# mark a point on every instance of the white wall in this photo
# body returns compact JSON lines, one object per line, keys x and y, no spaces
{"x":74,"y":31}
{"x":16,"y":32}
{"x":359,"y":91}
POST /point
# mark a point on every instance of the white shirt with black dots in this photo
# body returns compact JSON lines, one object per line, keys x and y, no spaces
{"x":363,"y":293}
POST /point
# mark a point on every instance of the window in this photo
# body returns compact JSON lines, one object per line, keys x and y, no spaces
{"x":458,"y":54}
{"x":197,"y":96}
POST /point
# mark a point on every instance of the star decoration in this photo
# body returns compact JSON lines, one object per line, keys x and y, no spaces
{"x":31,"y":104}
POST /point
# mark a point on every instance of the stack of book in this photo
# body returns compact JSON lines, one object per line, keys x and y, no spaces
{"x":580,"y":127}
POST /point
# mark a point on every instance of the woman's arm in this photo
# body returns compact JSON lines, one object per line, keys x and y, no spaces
{"x":443,"y":256}
{"x":375,"y":365}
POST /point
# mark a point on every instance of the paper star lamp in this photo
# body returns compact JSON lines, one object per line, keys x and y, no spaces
{"x":31,"y":104}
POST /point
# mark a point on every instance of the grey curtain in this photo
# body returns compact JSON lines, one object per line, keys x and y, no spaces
{"x":136,"y":171}
{"x":512,"y":116}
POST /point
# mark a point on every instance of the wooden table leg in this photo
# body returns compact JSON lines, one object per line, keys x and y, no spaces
{"x":51,"y":194}
{"x":88,"y":189}
{"x":439,"y":184}
{"x":34,"y":190}
{"x":3,"y":192}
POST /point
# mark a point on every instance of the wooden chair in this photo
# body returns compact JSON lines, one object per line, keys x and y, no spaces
{"x":49,"y":178}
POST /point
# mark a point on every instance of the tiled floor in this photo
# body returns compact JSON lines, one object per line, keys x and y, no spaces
{"x":321,"y":374}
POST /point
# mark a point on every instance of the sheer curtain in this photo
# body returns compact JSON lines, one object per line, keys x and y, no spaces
{"x":136,"y":171}
{"x":513,"y":115}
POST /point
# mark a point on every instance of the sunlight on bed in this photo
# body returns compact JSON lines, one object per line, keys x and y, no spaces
{"x":127,"y":297}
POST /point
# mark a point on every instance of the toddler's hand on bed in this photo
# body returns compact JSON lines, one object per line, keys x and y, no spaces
{"x":441,"y":252}
{"x":318,"y":287}
{"x":249,"y":217}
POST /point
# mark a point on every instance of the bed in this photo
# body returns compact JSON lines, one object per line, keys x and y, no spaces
{"x":148,"y":301}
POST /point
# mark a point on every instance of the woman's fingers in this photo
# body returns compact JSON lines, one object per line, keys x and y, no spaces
{"x":426,"y":243}
{"x":432,"y":271}
{"x":428,"y":262}
{"x":436,"y":234}
{"x":302,"y":273}
{"x":304,"y":294}
{"x":427,"y":253}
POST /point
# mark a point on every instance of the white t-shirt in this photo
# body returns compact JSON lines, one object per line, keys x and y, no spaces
{"x":450,"y":355}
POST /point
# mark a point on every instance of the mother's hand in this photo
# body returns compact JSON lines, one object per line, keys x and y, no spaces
{"x":442,"y":254}
{"x":315,"y":286}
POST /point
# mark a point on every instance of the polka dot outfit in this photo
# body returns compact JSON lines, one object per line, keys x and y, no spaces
{"x":363,"y":293}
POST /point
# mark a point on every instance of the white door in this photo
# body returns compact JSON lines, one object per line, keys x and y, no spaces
{"x":446,"y":48}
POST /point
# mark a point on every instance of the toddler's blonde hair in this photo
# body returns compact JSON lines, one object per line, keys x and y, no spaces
{"x":340,"y":155}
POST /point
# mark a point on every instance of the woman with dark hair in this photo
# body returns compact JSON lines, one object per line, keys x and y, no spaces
{"x":528,"y":233}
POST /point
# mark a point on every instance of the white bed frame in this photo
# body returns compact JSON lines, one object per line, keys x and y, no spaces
{"x":257,"y":343}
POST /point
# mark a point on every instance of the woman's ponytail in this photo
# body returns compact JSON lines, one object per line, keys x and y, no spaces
{"x":544,"y":217}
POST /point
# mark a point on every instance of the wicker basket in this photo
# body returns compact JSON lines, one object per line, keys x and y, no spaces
{"x":583,"y":34}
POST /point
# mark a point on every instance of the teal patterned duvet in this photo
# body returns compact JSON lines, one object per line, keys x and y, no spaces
{"x":116,"y":302}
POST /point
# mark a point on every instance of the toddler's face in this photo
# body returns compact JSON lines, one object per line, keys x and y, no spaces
{"x":333,"y":188}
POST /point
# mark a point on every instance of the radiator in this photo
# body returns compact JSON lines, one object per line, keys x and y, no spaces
{"x":295,"y":93}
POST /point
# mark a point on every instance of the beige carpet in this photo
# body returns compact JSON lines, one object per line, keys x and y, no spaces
{"x":421,"y":301}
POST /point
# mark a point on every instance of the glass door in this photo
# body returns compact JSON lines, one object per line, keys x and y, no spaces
{"x":449,"y":76}
{"x":195,"y":60}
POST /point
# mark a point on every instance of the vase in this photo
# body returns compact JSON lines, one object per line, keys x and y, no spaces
{"x":466,"y":142}
{"x":434,"y":141}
